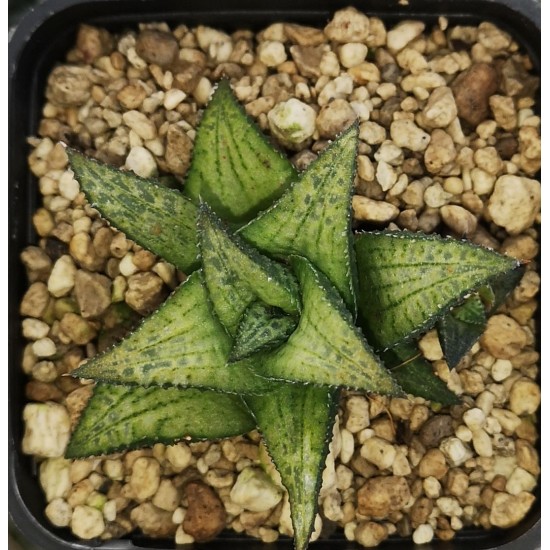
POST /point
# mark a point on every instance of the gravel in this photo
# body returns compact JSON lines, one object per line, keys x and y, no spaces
{"x":449,"y":142}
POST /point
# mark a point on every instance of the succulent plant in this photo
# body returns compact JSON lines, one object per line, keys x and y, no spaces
{"x":263,"y":334}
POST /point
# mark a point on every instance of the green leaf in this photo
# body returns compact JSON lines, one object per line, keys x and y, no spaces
{"x":501,"y":286}
{"x":234,"y":167}
{"x":119,"y":418}
{"x":296,"y":422}
{"x":460,"y":329}
{"x":161,"y":220}
{"x":261,"y":328}
{"x":416,"y":376}
{"x":313,"y":218}
{"x":471,"y":312}
{"x":326,"y":348}
{"x":237,"y":275}
{"x":408,"y":281}
{"x":181,"y":344}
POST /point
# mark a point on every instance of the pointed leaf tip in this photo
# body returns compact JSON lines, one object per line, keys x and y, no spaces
{"x":121,"y":418}
{"x":409,"y":280}
{"x":160,"y":219}
{"x":181,"y":344}
{"x":296,"y":422}
{"x":313,"y":218}
{"x":231,"y":149}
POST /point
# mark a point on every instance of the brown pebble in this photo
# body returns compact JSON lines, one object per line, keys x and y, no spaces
{"x":334,"y":117}
{"x":92,"y":43}
{"x":381,"y":495}
{"x":145,"y":292}
{"x":507,"y":147}
{"x":186,"y":75}
{"x":503,"y":338}
{"x":435,"y":429}
{"x":35,"y":301}
{"x":178,"y":150}
{"x":307,"y":59}
{"x":92,"y":292}
{"x":157,"y":47}
{"x":304,"y":36}
{"x":420,"y":511}
{"x":433,"y":464}
{"x":445,"y":534}
{"x":42,"y":391}
{"x":472,"y":89}
{"x":205,"y":517}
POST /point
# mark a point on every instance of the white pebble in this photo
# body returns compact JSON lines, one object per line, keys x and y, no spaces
{"x":501,"y":369}
{"x":271,"y":53}
{"x":379,"y":452}
{"x":182,"y":537}
{"x":34,"y":329}
{"x":352,"y":54}
{"x":292,"y":121}
{"x":406,"y":134}
{"x":87,"y":522}
{"x":141,"y":162}
{"x":47,"y":429}
{"x":173,"y":98}
{"x":449,"y":506}
{"x":520,"y":480}
{"x":474,"y":418}
{"x":109,"y":510}
{"x":126,"y":266}
{"x":62,"y":277}
{"x":432,"y":487}
{"x":68,"y":186}
{"x":423,"y":534}
{"x":55,"y":478}
{"x":482,"y":443}
{"x":59,"y":512}
{"x":255,"y":491}
{"x":45,"y":347}
{"x":456,"y":451}
{"x":140,"y":124}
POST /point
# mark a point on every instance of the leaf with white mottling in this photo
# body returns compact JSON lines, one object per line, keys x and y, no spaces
{"x":313,"y":218}
{"x":296,"y":422}
{"x":234,"y":167}
{"x":119,"y":418}
{"x":261,"y":328}
{"x":408,"y":281}
{"x":181,"y":344}
{"x":326,"y":348}
{"x":160,"y":219}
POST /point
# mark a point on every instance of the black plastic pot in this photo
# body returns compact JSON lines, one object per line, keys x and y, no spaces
{"x":41,"y":39}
